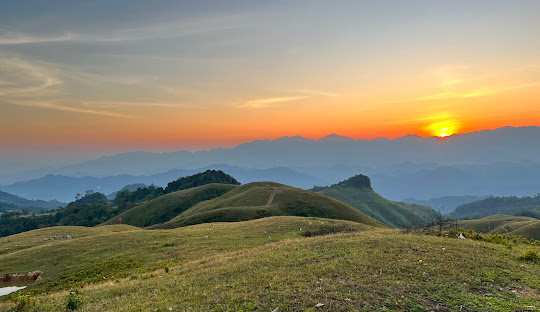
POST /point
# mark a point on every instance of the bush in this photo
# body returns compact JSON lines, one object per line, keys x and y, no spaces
{"x":22,"y":302}
{"x":530,"y":255}
{"x":74,"y":300}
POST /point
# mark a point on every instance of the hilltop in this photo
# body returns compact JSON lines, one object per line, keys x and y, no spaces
{"x":499,"y":205}
{"x":260,"y":265}
{"x":358,"y":193}
{"x":264,"y":199}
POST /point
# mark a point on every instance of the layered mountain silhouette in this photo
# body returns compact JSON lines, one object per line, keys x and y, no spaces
{"x":501,"y":162}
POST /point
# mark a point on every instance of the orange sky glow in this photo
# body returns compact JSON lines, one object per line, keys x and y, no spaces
{"x":192,"y":78}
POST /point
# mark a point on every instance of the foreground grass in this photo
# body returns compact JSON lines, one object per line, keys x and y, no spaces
{"x":110,"y":252}
{"x":382,"y":270}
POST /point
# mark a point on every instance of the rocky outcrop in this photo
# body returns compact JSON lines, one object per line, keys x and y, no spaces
{"x":21,"y":277}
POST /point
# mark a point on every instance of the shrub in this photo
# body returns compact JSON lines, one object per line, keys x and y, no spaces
{"x":22,"y":302}
{"x":530,"y":255}
{"x":74,"y":300}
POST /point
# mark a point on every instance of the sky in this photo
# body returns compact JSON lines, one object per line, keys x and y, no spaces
{"x":80,"y":79}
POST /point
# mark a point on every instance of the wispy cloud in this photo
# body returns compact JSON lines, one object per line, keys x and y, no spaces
{"x":56,"y":106}
{"x":455,"y":95}
{"x":316,"y":92}
{"x":18,"y":38}
{"x":26,"y":78}
{"x":266,"y":102}
{"x":134,"y":104}
{"x":475,"y":92}
{"x":163,"y":30}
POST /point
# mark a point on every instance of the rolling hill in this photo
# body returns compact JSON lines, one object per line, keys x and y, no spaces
{"x":264,"y":199}
{"x":358,"y":193}
{"x":499,"y":205}
{"x":503,"y":224}
{"x":168,"y":206}
{"x":267,"y":264}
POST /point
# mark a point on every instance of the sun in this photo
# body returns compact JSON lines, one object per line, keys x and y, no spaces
{"x":443,"y":129}
{"x":444,"y":133}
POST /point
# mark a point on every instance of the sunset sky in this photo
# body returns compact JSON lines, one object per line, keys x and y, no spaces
{"x":100,"y":77}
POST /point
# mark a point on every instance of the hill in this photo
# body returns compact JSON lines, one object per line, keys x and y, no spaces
{"x":263,"y":199}
{"x":499,"y":205}
{"x":168,"y":206}
{"x":358,"y":193}
{"x":503,"y":224}
{"x":269,"y":263}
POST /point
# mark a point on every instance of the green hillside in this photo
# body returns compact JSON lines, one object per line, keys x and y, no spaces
{"x":499,"y":205}
{"x":264,"y":199}
{"x":358,"y":193}
{"x":168,"y":206}
{"x":503,"y":224}
{"x":269,"y":263}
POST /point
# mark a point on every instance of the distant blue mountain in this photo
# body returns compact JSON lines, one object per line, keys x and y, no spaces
{"x":500,"y":162}
{"x":65,"y":187}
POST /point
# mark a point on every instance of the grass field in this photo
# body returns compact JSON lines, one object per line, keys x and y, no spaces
{"x":248,"y":202}
{"x":269,"y":263}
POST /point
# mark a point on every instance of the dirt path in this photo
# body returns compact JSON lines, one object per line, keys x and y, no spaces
{"x":271,"y":198}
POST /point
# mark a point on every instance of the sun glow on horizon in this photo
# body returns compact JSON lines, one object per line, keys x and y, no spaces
{"x":443,"y":129}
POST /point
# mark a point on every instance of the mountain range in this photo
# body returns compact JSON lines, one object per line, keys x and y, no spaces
{"x":500,"y":162}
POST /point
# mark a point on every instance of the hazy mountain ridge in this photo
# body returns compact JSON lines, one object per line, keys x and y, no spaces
{"x":501,"y":162}
{"x":65,"y":187}
{"x":445,"y":204}
{"x":14,"y":201}
{"x":499,"y":205}
{"x":499,"y":145}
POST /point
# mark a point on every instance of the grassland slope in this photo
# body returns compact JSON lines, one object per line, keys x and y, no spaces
{"x":114,"y":251}
{"x":503,"y":224}
{"x":263,"y":199}
{"x":264,"y":264}
{"x":357,"y":192}
{"x":168,"y":206}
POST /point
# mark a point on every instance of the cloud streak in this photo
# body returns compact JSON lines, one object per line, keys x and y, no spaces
{"x":475,"y":92}
{"x":266,"y":102}
{"x":165,"y":30}
{"x":58,"y":107}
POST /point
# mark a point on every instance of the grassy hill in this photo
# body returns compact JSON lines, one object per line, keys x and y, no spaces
{"x":504,"y":224}
{"x":499,"y":205}
{"x":269,"y":263}
{"x":358,"y":193}
{"x":168,"y":206}
{"x":263,"y":199}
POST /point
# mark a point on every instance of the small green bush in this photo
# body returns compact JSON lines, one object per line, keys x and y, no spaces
{"x":530,"y":255}
{"x":22,"y":302}
{"x":74,"y":300}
